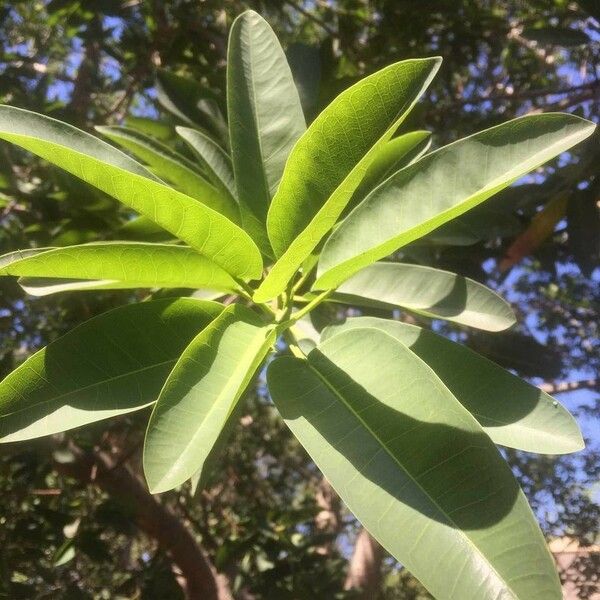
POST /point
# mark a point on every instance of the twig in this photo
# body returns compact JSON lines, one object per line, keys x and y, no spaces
{"x":570,"y":386}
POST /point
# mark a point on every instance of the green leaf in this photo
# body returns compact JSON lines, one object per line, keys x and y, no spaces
{"x":174,"y":168}
{"x":265,"y":118}
{"x":441,"y":186}
{"x":110,"y":365}
{"x":190,"y":102}
{"x":331,"y":158}
{"x":212,"y":157}
{"x":190,"y":420}
{"x":511,"y":411}
{"x":391,"y":157}
{"x":482,"y":223}
{"x":414,"y":467}
{"x":127,"y":264}
{"x":121,"y":177}
{"x":430,"y":292}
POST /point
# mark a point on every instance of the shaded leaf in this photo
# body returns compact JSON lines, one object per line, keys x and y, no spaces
{"x":190,"y":102}
{"x":431,"y":292}
{"x":510,"y":410}
{"x":414,"y":467}
{"x":174,"y":168}
{"x":110,"y":365}
{"x":399,"y":152}
{"x":189,"y":423}
{"x":213,"y":158}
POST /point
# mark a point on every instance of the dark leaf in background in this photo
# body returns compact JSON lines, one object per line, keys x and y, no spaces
{"x":583,"y":228}
{"x":519,"y":352}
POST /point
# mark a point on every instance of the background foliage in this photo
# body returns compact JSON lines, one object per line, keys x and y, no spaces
{"x":273,"y":527}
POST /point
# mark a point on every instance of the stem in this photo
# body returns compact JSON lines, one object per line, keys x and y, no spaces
{"x":292,"y":343}
{"x":310,"y":306}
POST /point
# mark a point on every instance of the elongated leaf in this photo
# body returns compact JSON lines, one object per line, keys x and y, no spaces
{"x":511,"y":411}
{"x":331,"y":158}
{"x":189,"y":421}
{"x":11,"y":257}
{"x":431,"y":292}
{"x":112,"y":364}
{"x":174,"y":168}
{"x":136,"y":264}
{"x":113,"y":172}
{"x":441,"y":186}
{"x":265,"y":118}
{"x":391,"y":157}
{"x":214,"y":159}
{"x":414,"y":467}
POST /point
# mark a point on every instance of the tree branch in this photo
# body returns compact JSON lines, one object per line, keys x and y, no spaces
{"x":570,"y":386}
{"x":364,"y":572}
{"x":201,"y":579}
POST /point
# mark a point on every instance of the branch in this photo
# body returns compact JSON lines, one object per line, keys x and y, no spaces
{"x":570,"y":386}
{"x":528,"y":95}
{"x":201,"y":579}
{"x":312,"y":17}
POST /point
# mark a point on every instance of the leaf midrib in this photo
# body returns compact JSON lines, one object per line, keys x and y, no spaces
{"x":457,"y":210}
{"x":401,"y":466}
{"x":89,"y":387}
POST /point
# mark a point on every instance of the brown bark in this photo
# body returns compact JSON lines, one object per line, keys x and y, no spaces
{"x":198,"y":577}
{"x":364,"y":572}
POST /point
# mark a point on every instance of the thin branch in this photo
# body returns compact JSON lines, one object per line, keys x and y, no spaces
{"x":528,"y":95}
{"x":570,"y":386}
{"x":312,"y":17}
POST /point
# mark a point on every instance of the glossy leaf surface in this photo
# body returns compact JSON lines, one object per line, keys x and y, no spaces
{"x":110,"y":365}
{"x":510,"y":410}
{"x":265,"y":117}
{"x":431,"y":292}
{"x":113,"y":172}
{"x":190,"y":419}
{"x":443,"y":185}
{"x":135,"y":264}
{"x":414,"y":467}
{"x":331,"y":158}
